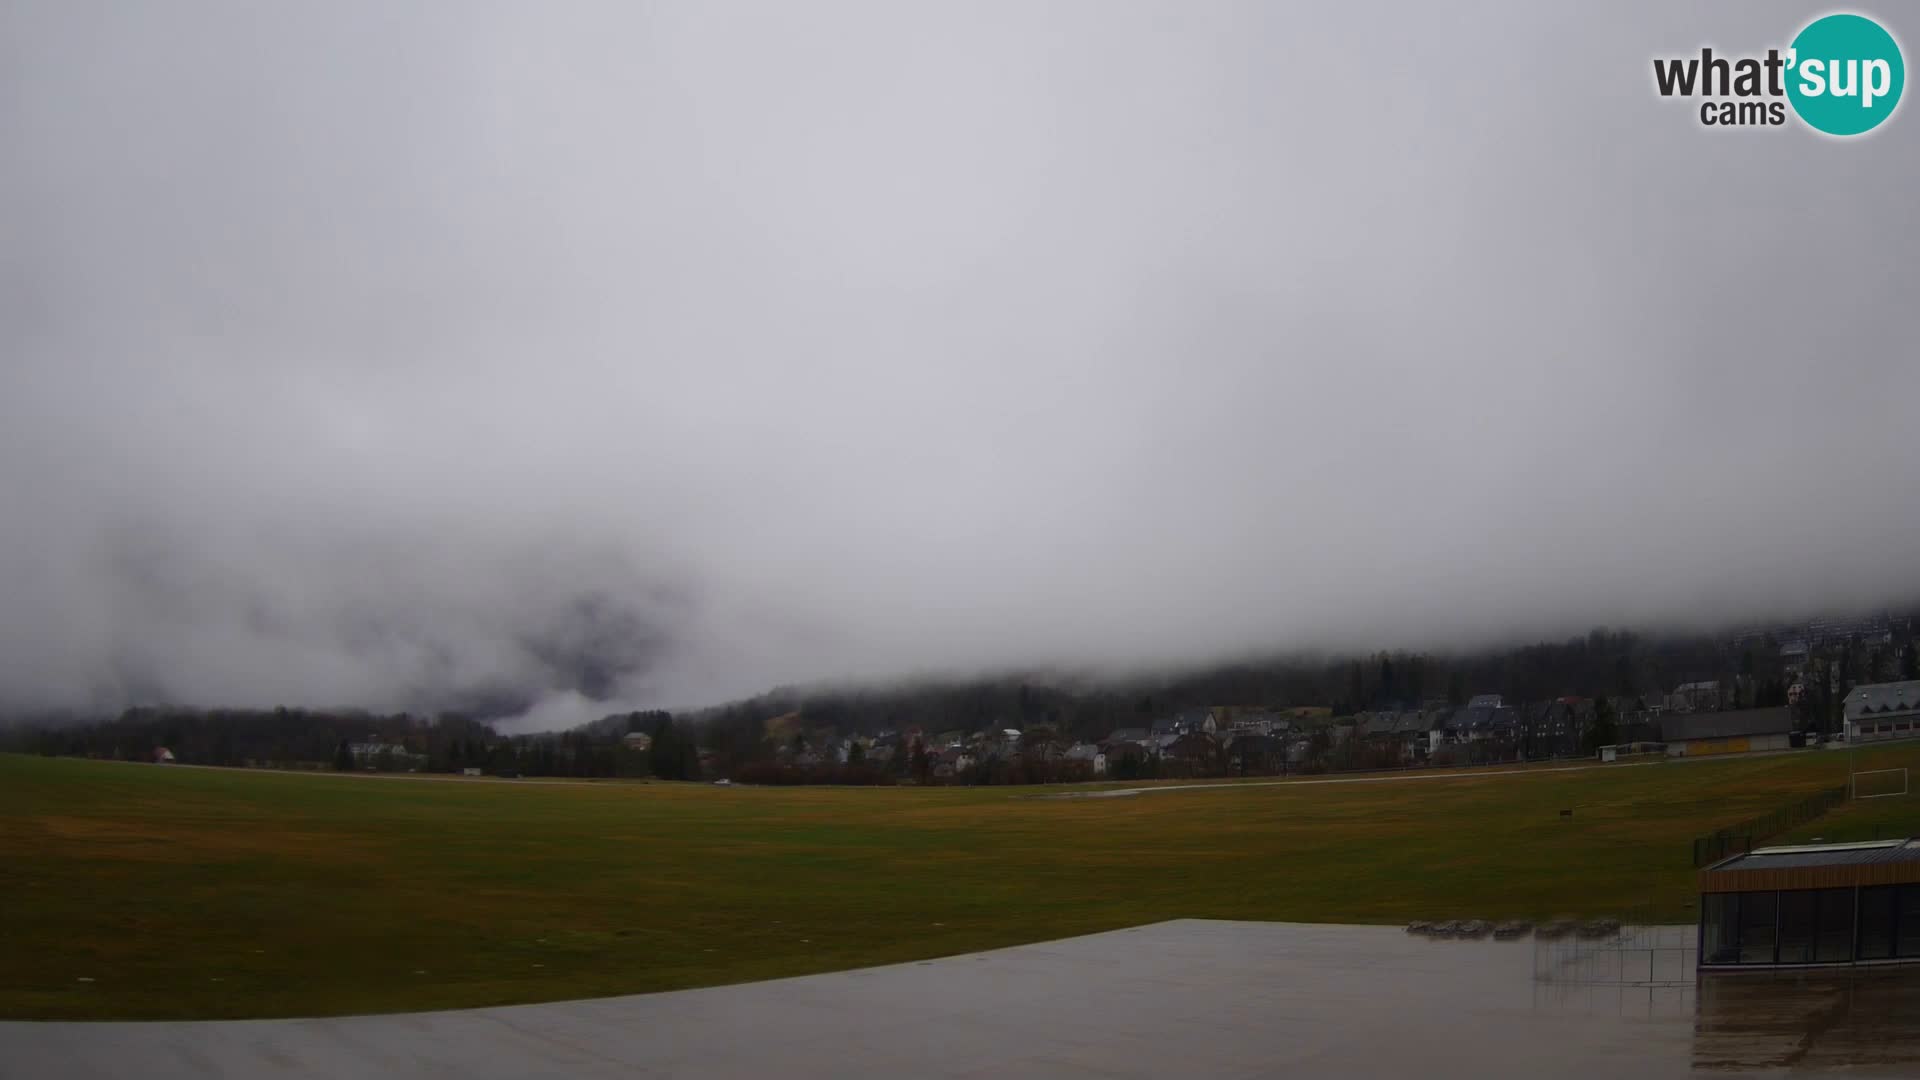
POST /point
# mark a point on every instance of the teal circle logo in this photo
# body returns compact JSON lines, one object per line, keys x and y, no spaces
{"x":1845,"y":74}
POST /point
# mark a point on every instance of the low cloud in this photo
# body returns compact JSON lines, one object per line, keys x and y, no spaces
{"x":530,"y":361}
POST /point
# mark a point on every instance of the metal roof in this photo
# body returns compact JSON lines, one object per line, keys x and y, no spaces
{"x":1794,"y":858}
{"x":1883,"y":697}
{"x":1679,"y":727}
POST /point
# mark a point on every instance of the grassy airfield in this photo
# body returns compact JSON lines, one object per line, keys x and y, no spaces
{"x":135,"y":891}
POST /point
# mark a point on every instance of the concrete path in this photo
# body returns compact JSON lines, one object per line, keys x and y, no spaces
{"x":1186,"y":998}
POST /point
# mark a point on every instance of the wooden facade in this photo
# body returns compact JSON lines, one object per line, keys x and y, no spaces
{"x":1842,"y":876}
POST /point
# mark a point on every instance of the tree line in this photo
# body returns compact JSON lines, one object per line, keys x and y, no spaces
{"x":1603,"y":665}
{"x":353,"y":740}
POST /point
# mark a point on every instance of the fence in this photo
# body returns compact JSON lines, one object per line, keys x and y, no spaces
{"x":1737,"y":839}
{"x":1644,"y":971}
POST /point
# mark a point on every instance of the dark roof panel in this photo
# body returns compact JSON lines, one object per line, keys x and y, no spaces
{"x":1679,"y":727}
{"x":1795,"y":858}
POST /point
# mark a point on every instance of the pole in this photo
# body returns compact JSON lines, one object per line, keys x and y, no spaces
{"x":1852,"y":747}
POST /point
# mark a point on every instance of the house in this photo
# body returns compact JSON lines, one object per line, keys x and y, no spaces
{"x":1640,"y":706}
{"x":957,"y":759}
{"x":1125,"y":752}
{"x":1095,"y":758}
{"x":471,"y":770}
{"x":1794,"y":653}
{"x":1252,"y":752}
{"x":1559,"y":728}
{"x":1696,"y":696}
{"x":1634,"y":721}
{"x":1133,"y":735}
{"x":1186,"y":720}
{"x":1390,"y":726}
{"x":1483,"y":724}
{"x":1737,"y":732}
{"x":1412,"y":730}
{"x":1194,"y":749}
{"x":637,"y":740}
{"x":1260,"y":722}
{"x":1879,"y":711}
{"x":1439,"y":727}
{"x":1486,"y":701}
{"x":162,"y":756}
{"x":1392,"y":734}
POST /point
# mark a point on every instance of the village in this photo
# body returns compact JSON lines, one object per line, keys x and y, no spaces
{"x":1222,"y":741}
{"x":1821,"y":682}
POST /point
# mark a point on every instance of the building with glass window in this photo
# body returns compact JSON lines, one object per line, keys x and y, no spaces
{"x":1881,"y":711}
{"x":1813,"y":904}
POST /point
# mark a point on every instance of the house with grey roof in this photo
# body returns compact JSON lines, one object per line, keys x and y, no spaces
{"x":1197,"y":720}
{"x":1559,"y":728}
{"x":1880,"y":711}
{"x":1252,"y":752}
{"x":1696,"y":696}
{"x":1094,"y":757}
{"x":1479,"y":723}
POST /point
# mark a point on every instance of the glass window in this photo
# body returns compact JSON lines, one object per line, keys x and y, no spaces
{"x":1798,"y":911}
{"x":1907,"y":922}
{"x":1876,"y":921}
{"x":1757,"y":911}
{"x":1719,"y":934}
{"x":1833,"y":943}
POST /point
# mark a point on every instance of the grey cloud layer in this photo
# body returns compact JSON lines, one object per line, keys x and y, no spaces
{"x":403,"y":355}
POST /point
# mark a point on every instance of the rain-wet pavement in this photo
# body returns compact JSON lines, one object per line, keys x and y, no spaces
{"x":1183,"y":998}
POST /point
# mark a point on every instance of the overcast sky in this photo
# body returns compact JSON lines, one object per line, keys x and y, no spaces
{"x":400,"y":354}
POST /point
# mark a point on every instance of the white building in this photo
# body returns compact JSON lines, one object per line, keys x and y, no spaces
{"x":1879,"y":711}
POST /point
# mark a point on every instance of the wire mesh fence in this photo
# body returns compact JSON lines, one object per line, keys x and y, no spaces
{"x":1643,"y":970}
{"x":1741,"y":838}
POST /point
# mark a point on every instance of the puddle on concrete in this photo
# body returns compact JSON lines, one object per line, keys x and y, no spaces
{"x":1839,"y":1019}
{"x":1814,"y":1020}
{"x":1181,"y":998}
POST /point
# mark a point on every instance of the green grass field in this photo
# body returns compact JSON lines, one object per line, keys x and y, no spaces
{"x":211,"y":893}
